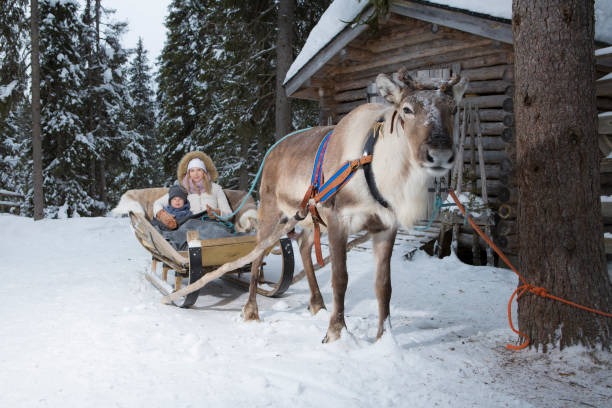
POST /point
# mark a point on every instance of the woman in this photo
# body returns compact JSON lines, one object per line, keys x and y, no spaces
{"x":197,"y":174}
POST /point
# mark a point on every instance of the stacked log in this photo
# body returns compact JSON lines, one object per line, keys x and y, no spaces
{"x":491,"y":89}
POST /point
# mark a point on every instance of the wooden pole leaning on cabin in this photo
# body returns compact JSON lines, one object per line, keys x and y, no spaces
{"x":445,"y":226}
{"x":474,"y":187}
{"x":483,"y":178}
{"x":458,"y":174}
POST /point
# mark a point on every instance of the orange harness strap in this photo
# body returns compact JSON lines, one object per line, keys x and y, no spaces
{"x":328,"y":190}
{"x":339,"y":180}
{"x":525,"y":287}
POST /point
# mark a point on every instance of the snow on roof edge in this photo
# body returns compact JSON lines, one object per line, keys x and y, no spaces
{"x":332,"y":22}
{"x":340,"y":12}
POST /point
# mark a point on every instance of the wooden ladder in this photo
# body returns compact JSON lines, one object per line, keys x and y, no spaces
{"x":469,"y":119}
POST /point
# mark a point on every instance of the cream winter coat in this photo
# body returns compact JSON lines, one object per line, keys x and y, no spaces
{"x":216,"y":200}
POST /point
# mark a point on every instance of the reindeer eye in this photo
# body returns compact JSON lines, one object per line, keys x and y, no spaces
{"x":407,"y":110}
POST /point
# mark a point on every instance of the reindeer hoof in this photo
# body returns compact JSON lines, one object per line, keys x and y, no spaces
{"x":334,"y":331}
{"x":330,"y":337}
{"x":250,"y":313}
{"x":383,"y":327}
{"x":315,"y":308}
{"x":316,"y":304}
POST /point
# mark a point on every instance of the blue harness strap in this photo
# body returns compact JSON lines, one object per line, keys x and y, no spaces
{"x":317,"y":172}
{"x":321,"y":193}
{"x":335,"y":189}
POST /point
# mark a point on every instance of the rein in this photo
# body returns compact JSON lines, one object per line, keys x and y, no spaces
{"x":320,"y":191}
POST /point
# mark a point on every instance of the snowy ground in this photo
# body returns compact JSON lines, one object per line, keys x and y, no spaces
{"x":81,"y":327}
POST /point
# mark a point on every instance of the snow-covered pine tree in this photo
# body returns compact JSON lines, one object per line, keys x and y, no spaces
{"x":243,"y":63}
{"x":140,"y":146}
{"x":66,"y":145}
{"x":111,"y":132}
{"x":90,"y":64}
{"x":179,"y":83}
{"x":14,"y":108}
{"x":246,"y":91}
{"x":106,"y":112}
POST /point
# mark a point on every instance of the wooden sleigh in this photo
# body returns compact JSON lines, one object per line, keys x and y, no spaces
{"x":206,"y":255}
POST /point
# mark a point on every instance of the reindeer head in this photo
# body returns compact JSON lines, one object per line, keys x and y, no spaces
{"x":424,"y":117}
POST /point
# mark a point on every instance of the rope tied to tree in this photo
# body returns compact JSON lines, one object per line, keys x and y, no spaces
{"x":525,"y":287}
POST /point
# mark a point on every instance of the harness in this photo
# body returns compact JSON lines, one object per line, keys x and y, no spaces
{"x":320,"y":191}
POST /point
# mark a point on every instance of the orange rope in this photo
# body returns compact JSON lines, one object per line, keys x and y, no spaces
{"x":525,"y":287}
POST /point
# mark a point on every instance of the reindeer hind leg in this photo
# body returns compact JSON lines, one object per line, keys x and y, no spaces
{"x":306,"y":243}
{"x":338,"y":237}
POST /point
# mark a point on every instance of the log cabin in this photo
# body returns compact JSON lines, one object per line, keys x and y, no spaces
{"x":339,"y":62}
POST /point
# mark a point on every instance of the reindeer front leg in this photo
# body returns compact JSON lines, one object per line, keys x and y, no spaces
{"x":338,"y":237}
{"x":382,"y":243}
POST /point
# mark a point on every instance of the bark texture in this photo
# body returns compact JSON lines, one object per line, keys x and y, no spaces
{"x":37,"y":179}
{"x":284,"y":56}
{"x":559,"y":209}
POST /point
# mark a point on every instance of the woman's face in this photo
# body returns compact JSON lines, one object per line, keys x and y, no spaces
{"x":196,"y":174}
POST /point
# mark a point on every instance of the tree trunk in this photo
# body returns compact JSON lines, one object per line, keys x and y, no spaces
{"x":101,"y":177}
{"x":284,"y":56}
{"x":37,"y":179}
{"x":559,"y":209}
{"x":102,"y":183}
{"x":98,"y":5}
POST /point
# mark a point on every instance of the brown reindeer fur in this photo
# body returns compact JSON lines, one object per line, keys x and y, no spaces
{"x":419,"y":146}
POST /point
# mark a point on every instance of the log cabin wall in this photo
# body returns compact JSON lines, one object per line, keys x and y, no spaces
{"x":603,"y":90}
{"x":346,"y":82}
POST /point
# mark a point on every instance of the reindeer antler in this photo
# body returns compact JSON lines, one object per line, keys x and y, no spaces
{"x":426,"y":83}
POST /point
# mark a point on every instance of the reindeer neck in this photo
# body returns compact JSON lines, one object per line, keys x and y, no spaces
{"x":398,"y":179}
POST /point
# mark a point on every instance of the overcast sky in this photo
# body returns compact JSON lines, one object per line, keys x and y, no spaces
{"x":145,"y":19}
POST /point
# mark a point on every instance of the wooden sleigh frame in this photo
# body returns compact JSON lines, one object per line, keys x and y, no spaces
{"x":204,"y":256}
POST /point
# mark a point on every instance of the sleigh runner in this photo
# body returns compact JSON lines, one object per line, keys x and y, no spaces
{"x":204,"y":255}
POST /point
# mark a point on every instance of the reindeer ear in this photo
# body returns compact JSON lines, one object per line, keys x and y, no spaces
{"x":459,"y":89}
{"x":388,"y":89}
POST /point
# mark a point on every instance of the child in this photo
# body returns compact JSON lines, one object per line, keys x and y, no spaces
{"x":177,"y":210}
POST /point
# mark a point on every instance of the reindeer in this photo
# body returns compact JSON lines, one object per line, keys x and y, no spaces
{"x":415,"y":144}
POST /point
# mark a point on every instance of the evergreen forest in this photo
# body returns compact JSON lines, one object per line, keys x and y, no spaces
{"x":112,"y":119}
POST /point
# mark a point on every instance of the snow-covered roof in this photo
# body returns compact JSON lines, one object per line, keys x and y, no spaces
{"x":341,"y":12}
{"x":333,"y":20}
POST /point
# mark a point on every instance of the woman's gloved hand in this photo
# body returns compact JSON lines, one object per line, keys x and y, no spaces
{"x":211,"y":212}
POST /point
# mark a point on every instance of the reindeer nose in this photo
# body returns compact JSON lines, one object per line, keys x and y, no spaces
{"x":440,"y":157}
